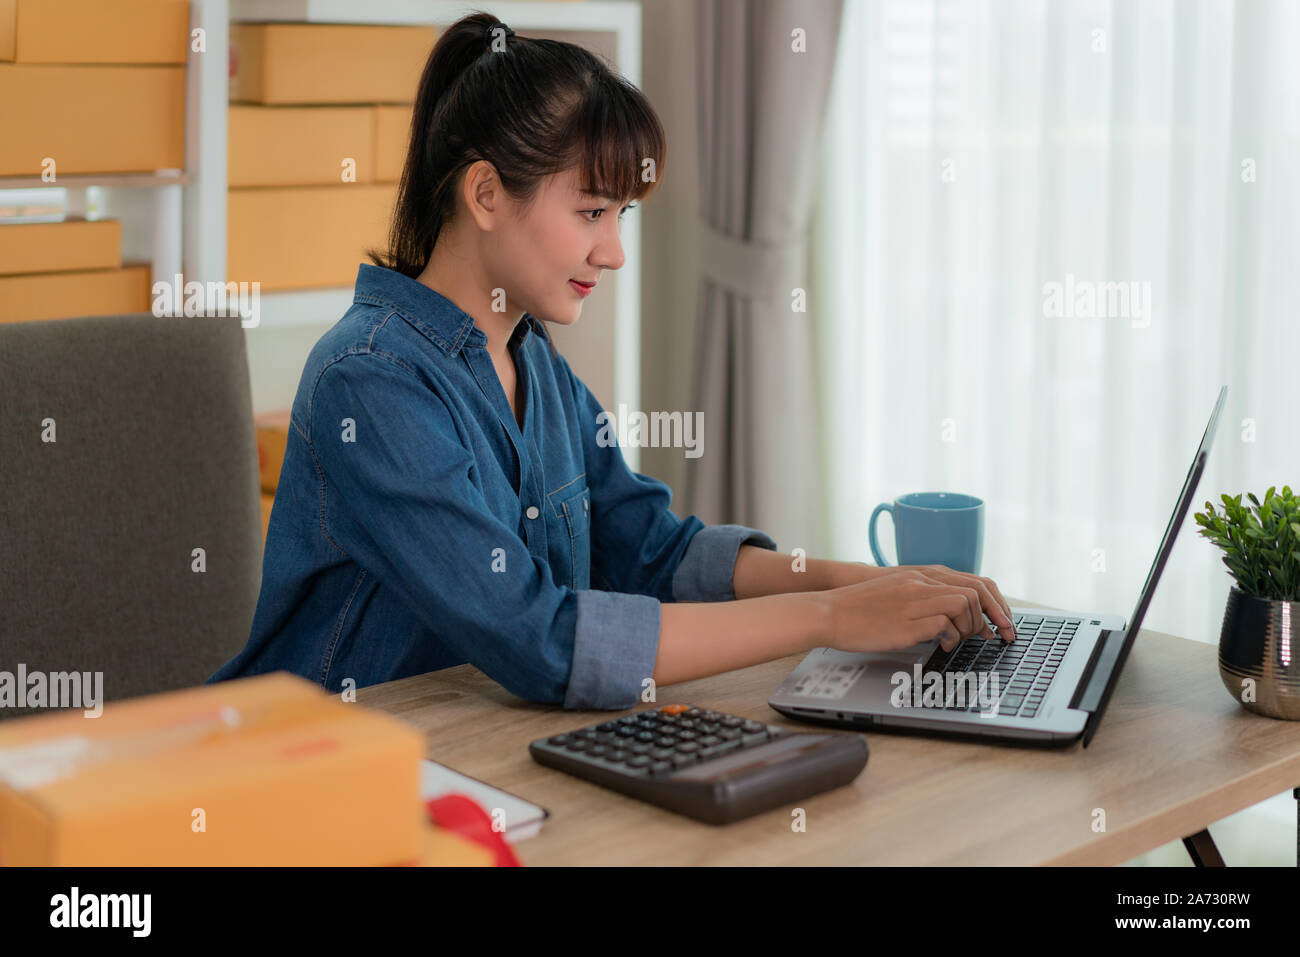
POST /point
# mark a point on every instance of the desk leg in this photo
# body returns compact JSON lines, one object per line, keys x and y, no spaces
{"x":1200,"y":846}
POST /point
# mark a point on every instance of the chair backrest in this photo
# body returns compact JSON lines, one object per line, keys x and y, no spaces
{"x":130,"y":531}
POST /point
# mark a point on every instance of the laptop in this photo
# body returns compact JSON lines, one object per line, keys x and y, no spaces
{"x":1050,"y":686}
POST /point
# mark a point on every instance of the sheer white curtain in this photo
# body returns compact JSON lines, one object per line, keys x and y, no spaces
{"x":977,"y":152}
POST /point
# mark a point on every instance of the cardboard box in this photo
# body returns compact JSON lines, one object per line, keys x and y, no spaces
{"x":263,"y":771}
{"x":392,"y":141}
{"x":299,"y":145}
{"x":94,"y":31}
{"x":272,"y":436}
{"x":91,"y":119}
{"x":66,"y":295}
{"x":327,"y":63}
{"x":268,"y":500}
{"x":299,"y":237}
{"x":69,"y":244}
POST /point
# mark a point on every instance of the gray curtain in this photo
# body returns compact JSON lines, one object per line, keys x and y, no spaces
{"x":761,"y":113}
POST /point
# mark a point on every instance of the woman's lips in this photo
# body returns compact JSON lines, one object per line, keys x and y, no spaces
{"x":580,"y":289}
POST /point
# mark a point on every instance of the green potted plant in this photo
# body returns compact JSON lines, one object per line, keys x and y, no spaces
{"x":1259,"y":644}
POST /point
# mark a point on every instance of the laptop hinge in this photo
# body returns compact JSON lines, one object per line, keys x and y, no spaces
{"x":1087,"y":693}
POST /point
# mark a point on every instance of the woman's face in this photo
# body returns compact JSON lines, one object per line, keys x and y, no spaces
{"x":563,"y":237}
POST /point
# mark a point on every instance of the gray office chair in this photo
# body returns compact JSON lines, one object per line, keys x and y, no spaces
{"x":153,"y":456}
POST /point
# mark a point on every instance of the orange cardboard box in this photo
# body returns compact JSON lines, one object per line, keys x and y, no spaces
{"x":269,"y":770}
{"x":268,"y":500}
{"x":299,"y":145}
{"x":94,"y":31}
{"x":327,"y":62}
{"x":299,"y":237}
{"x":440,"y":847}
{"x":272,"y":436}
{"x":91,"y":119}
{"x":392,"y":140}
{"x":65,"y":295}
{"x":71,"y":243}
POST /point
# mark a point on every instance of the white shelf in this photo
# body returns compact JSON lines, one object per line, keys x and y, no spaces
{"x":304,"y":307}
{"x":81,"y":180}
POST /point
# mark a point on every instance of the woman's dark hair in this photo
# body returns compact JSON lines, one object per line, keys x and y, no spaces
{"x":530,"y":107}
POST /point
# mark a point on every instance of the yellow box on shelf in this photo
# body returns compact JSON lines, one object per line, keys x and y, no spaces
{"x":94,"y":31}
{"x":392,"y":140}
{"x":67,"y":295}
{"x":300,"y":237}
{"x":272,"y":437}
{"x":66,"y":245}
{"x":91,"y":119}
{"x":285,"y":63}
{"x":299,"y":145}
{"x":269,"y":770}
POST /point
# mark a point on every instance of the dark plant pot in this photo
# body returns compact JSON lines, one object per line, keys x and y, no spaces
{"x":1260,"y":641}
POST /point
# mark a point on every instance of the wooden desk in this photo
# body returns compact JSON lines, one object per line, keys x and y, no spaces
{"x":1174,"y":754}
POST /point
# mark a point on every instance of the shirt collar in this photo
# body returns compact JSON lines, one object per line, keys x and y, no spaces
{"x":439,"y":319}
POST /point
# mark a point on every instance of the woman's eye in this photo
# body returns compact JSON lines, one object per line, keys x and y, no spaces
{"x":599,"y":211}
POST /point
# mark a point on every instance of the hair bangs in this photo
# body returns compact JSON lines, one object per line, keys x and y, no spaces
{"x":622,"y":145}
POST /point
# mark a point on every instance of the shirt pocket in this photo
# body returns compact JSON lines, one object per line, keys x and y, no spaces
{"x":574,"y":503}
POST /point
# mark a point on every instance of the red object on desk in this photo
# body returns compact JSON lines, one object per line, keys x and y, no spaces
{"x":462,"y":814}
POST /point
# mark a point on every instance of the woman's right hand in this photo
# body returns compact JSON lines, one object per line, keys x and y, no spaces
{"x":908,"y":607}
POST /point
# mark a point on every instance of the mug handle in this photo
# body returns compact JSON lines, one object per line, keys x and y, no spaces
{"x":871,"y":531}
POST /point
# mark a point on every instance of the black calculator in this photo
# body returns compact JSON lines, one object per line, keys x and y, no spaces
{"x":708,"y":765}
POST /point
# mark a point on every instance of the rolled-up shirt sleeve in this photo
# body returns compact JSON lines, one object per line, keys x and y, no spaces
{"x":638,"y":544}
{"x":399,"y":497}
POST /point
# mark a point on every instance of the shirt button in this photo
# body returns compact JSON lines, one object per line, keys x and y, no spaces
{"x":532,"y":511}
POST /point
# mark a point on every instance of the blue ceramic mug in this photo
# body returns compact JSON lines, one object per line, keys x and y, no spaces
{"x":934,"y":528}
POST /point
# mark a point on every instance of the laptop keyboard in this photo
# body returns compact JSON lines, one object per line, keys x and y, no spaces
{"x":1025,"y":667}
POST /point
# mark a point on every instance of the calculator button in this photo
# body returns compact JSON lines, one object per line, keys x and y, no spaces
{"x":645,"y":736}
{"x":629,"y":718}
{"x":728,"y":734}
{"x":588,"y":734}
{"x":596,"y":750}
{"x":660,"y":767}
{"x":607,"y":726}
{"x":721,"y":748}
{"x":660,"y":753}
{"x":731,"y":721}
{"x":752,"y":727}
{"x":682,"y":760}
{"x":687,"y":747}
{"x":687,"y":735}
{"x":559,"y":739}
{"x":627,"y":730}
{"x":709,"y":727}
{"x":638,"y":747}
{"x":578,"y":744}
{"x":618,"y":755}
{"x":693,"y":712}
{"x":665,"y":742}
{"x":709,"y":740}
{"x":640,"y":761}
{"x":688,"y":724}
{"x":750,"y":740}
{"x":674,"y":708}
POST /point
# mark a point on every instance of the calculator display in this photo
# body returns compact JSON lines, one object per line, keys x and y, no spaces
{"x":773,"y":753}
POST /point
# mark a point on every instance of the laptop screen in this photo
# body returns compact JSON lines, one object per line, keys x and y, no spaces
{"x":1162,"y":554}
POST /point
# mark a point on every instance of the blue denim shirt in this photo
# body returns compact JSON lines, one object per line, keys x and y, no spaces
{"x":416,"y":527}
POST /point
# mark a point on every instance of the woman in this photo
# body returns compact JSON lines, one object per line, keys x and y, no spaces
{"x":444,"y":498}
